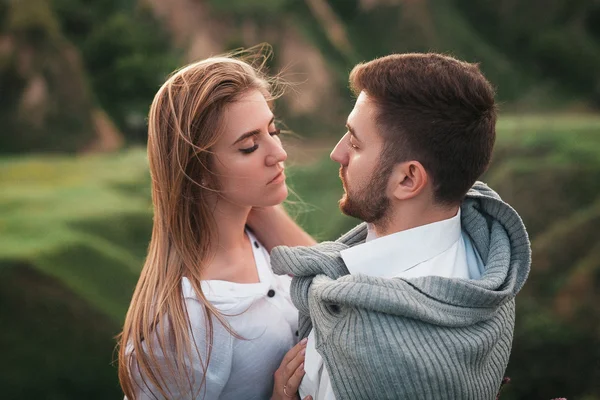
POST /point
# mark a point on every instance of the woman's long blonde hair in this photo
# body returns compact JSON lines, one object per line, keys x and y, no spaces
{"x":184,"y":122}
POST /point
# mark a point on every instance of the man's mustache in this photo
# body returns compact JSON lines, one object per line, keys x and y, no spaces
{"x":343,"y":175}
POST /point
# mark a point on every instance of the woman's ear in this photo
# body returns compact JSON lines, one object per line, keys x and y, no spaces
{"x":408,"y":179}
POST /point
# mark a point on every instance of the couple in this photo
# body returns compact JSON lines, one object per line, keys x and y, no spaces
{"x":416,"y":303}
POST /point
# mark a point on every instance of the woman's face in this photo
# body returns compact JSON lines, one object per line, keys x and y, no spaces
{"x":249,"y":156}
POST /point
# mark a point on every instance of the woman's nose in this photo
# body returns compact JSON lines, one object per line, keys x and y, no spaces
{"x":277,"y":154}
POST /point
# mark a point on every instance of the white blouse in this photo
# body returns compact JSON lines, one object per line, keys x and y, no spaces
{"x":261,"y":313}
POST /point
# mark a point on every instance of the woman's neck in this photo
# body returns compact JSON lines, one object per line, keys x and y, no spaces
{"x":230,"y":226}
{"x":232,"y":256}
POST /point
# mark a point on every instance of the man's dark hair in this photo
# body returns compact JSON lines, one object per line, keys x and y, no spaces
{"x":433,"y":109}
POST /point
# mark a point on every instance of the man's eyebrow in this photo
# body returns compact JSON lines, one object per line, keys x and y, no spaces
{"x":352,"y":132}
{"x":252,"y":133}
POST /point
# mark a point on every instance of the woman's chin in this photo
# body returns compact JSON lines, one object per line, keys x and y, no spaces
{"x":277,"y":197}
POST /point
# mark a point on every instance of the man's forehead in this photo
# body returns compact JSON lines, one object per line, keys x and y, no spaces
{"x":362,"y":115}
{"x":362,"y":97}
{"x":364,"y":105}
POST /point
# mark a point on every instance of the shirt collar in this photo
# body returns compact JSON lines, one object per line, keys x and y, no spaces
{"x":389,"y":256}
{"x":371,"y":235}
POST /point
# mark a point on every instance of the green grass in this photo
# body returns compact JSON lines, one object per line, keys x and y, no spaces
{"x":55,"y":346}
{"x":75,"y":231}
{"x":77,"y":218}
{"x":82,"y":220}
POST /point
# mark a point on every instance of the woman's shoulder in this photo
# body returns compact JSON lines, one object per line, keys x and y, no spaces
{"x":222,"y":294}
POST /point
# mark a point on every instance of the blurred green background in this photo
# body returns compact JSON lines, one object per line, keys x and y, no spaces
{"x":76,"y":81}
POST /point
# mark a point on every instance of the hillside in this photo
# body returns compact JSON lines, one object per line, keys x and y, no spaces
{"x":75,"y":231}
{"x":74,"y":235}
{"x":79,"y":76}
{"x":76,"y":81}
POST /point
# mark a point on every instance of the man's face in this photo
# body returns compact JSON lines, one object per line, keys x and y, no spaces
{"x":358,"y":152}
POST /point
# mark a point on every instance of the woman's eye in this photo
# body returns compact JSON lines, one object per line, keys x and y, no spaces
{"x":249,"y":149}
{"x":274,"y":132}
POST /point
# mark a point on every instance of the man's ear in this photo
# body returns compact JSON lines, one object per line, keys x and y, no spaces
{"x":408,"y":179}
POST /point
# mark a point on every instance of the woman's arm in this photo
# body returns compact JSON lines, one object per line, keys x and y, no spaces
{"x":274,"y":227}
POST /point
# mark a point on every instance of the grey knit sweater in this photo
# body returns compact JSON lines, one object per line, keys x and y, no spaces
{"x":414,"y":338}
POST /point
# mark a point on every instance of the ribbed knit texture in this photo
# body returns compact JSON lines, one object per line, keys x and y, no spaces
{"x":414,"y":338}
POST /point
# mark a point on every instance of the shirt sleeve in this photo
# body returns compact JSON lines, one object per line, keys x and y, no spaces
{"x":219,"y":367}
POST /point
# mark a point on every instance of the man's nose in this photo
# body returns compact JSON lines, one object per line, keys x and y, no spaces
{"x":340,"y":152}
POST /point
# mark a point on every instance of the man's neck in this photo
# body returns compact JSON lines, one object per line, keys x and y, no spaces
{"x":412,"y":216}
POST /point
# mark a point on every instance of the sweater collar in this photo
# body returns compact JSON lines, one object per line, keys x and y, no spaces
{"x":497,"y":233}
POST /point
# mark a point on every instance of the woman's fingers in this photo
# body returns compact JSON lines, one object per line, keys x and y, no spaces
{"x":293,"y":352}
{"x":294,"y":380}
{"x":291,"y":363}
{"x":291,"y":368}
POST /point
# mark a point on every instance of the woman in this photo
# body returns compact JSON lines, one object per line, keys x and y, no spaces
{"x":208,"y":318}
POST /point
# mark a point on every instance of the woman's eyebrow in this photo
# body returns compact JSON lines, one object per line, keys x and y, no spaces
{"x":252,"y":133}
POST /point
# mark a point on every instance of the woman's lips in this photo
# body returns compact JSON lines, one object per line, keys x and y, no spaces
{"x":279,"y":178}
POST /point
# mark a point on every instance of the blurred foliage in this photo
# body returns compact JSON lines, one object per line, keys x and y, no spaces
{"x":529,"y":50}
{"x":63,"y":59}
{"x":126,"y":53}
{"x":555,"y":40}
{"x":42,"y":86}
{"x":114,"y":54}
{"x":75,"y":232}
{"x":249,"y":8}
{"x":548,"y":170}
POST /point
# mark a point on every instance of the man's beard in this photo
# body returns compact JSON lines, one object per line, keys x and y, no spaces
{"x":369,"y":204}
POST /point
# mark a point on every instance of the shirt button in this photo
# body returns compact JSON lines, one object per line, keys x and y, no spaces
{"x":271,"y":293}
{"x":256,"y":245}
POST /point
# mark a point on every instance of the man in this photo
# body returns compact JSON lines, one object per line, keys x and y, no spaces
{"x":419,"y":302}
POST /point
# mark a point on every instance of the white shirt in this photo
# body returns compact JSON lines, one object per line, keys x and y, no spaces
{"x":262,"y":313}
{"x":438,"y":249}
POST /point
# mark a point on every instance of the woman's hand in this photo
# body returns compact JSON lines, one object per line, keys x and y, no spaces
{"x":274,"y":227}
{"x":289,"y":374}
